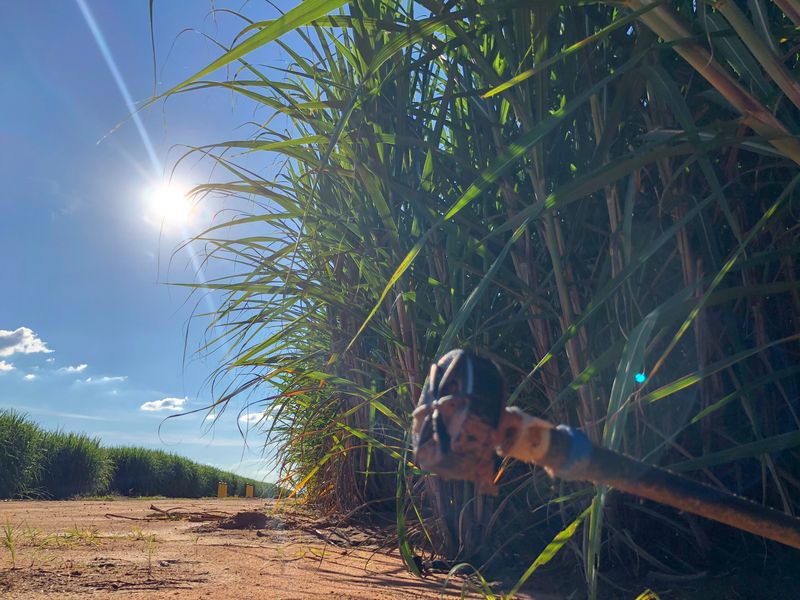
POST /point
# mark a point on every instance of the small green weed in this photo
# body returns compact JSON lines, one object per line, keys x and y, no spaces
{"x":76,"y":535}
{"x":149,"y":547}
{"x":10,"y":542}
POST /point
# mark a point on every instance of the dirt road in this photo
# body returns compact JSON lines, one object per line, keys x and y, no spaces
{"x":73,"y":550}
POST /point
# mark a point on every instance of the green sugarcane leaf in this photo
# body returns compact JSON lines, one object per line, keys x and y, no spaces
{"x":775,"y":443}
{"x":550,"y":551}
{"x":300,"y":15}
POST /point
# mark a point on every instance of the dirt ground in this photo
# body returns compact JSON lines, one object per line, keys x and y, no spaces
{"x":74,"y":550}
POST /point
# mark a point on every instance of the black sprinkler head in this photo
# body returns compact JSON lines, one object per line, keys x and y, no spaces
{"x":454,"y":424}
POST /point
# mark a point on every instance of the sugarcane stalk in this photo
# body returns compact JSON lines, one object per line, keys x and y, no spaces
{"x":666,"y":25}
{"x":760,"y":50}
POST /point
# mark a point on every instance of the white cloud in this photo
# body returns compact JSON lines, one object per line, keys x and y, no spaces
{"x":30,"y":376}
{"x":50,"y":360}
{"x":4,"y":366}
{"x":76,"y":369}
{"x":251,"y":419}
{"x":173,"y":404}
{"x":102,"y":379}
{"x":212,"y":416}
{"x":22,"y":340}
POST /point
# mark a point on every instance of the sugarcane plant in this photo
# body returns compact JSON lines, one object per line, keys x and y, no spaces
{"x":601,"y":196}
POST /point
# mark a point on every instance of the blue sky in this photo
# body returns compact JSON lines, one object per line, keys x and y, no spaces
{"x":91,"y":334}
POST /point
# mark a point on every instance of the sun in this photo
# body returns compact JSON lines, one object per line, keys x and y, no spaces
{"x":169,"y":204}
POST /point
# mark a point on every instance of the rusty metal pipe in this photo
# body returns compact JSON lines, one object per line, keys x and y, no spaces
{"x":461,"y":424}
{"x":568,"y":454}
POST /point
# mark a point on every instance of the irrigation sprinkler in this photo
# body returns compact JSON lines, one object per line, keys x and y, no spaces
{"x":462,"y":424}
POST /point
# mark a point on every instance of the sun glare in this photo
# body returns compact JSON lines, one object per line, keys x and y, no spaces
{"x":169,"y":205}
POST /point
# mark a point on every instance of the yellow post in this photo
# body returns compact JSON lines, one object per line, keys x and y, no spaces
{"x":222,"y":490}
{"x":248,"y":490}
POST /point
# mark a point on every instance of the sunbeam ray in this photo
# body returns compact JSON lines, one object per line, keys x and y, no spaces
{"x":158,"y":169}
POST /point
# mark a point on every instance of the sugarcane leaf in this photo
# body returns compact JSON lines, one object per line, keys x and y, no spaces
{"x":775,"y":443}
{"x":550,"y":551}
{"x":300,"y":15}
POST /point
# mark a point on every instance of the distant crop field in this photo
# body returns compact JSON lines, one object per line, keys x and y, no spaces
{"x":35,"y":463}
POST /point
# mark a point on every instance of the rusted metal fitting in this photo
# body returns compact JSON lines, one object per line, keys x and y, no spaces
{"x":523,"y":437}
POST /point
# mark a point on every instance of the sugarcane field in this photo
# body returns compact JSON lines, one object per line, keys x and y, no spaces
{"x":371,"y":299}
